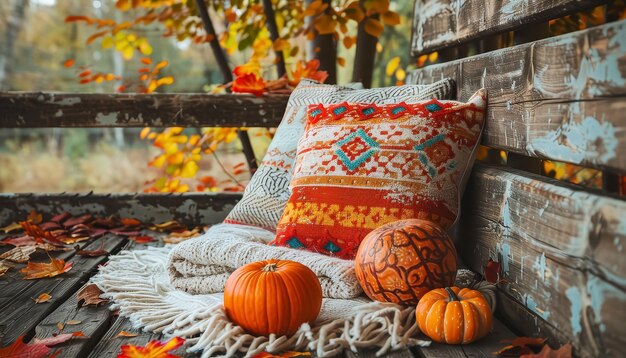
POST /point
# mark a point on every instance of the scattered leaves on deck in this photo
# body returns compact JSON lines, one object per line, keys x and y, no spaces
{"x":59,"y":338}
{"x":90,"y":295}
{"x":21,"y":349}
{"x":43,"y":298}
{"x":153,"y":349}
{"x":35,"y":270}
{"x":19,"y":254}
{"x":547,"y":352}
{"x":127,"y":334}
{"x":523,"y":345}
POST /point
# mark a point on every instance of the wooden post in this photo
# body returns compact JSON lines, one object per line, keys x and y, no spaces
{"x":323,"y":48}
{"x":218,"y":52}
{"x":220,"y":57}
{"x":270,"y":20}
{"x":365,"y":54}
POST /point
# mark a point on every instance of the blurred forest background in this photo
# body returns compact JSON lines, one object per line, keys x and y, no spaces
{"x":60,"y":45}
{"x":35,"y":43}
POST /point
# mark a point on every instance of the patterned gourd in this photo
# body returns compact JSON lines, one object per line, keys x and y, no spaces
{"x":273,"y":296}
{"x":399,"y":262}
{"x":454,"y":315}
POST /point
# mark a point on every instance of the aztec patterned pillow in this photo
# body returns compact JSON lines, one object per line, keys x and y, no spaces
{"x":359,"y":166}
{"x":267,"y":193}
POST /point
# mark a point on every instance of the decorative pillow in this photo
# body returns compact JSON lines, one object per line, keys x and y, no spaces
{"x":267,"y":193}
{"x":360,"y":166}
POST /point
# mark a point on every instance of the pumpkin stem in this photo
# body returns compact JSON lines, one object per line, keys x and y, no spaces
{"x":451,"y":295}
{"x":269,"y":267}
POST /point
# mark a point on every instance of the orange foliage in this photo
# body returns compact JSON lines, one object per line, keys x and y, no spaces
{"x":34,"y":270}
{"x":154,"y":349}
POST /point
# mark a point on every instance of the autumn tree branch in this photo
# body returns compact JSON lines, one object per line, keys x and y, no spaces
{"x":270,"y":20}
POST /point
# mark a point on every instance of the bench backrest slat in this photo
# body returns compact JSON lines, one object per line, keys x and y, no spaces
{"x":441,"y":23}
{"x":561,"y":251}
{"x":560,"y":98}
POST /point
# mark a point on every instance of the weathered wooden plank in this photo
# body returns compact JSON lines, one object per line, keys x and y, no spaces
{"x":561,"y":98}
{"x":39,"y":109}
{"x":23,"y":314}
{"x":110,"y":344}
{"x":189,"y":209}
{"x":443,"y":23}
{"x":371,"y":353}
{"x":560,"y":249}
{"x":95,"y":322}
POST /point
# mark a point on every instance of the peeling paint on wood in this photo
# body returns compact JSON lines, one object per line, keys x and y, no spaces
{"x":443,"y":23}
{"x":190,"y":209}
{"x":561,"y":98}
{"x":28,"y":110}
{"x":560,"y":260}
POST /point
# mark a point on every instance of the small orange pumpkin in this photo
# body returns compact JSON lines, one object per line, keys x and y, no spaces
{"x":454,"y":315}
{"x":273,"y":296}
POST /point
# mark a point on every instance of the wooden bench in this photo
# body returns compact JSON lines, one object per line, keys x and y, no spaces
{"x":560,"y":245}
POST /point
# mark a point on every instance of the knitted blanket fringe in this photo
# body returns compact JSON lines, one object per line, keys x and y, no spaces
{"x":137,"y":282}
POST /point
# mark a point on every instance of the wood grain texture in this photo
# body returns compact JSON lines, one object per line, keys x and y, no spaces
{"x":39,"y":109}
{"x":561,"y":98}
{"x":560,"y":249}
{"x":21,"y":314}
{"x":443,"y":23}
{"x":189,"y":209}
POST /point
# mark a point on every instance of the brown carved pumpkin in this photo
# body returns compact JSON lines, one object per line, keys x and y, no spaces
{"x":454,"y":315}
{"x":399,"y":262}
{"x":273,"y":296}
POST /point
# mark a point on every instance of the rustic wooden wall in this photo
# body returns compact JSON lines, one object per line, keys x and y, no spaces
{"x":442,"y":23}
{"x":562,"y":255}
{"x":561,"y":98}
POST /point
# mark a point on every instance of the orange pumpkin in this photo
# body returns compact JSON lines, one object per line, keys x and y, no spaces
{"x":273,"y":296}
{"x":454,"y":315}
{"x":399,"y":262}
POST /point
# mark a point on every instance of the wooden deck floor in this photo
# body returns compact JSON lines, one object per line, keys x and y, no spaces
{"x":21,"y":316}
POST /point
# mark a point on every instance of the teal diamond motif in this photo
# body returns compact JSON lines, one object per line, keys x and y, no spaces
{"x":331,"y":247}
{"x":355,"y":149}
{"x":294,"y":243}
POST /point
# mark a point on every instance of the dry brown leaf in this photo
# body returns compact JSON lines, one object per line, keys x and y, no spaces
{"x":167,"y":226}
{"x":523,"y":344}
{"x":90,"y":295}
{"x":59,"y":338}
{"x":47,"y":247}
{"x":43,"y":298}
{"x":3,"y":268}
{"x":11,"y":227}
{"x":35,"y":217}
{"x":73,"y":322}
{"x":127,"y":334}
{"x":34,"y":270}
{"x":60,"y":326}
{"x":19,"y":254}
{"x":547,"y":352}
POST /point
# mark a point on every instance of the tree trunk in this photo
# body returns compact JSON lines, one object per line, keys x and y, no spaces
{"x":326,"y":47}
{"x":14,"y":26}
{"x":365,"y":54}
{"x":270,"y":20}
{"x":218,"y":52}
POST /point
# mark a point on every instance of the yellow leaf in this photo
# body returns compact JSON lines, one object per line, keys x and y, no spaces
{"x":152,"y":86}
{"x":144,"y":133}
{"x":433,"y":57}
{"x":391,"y":18}
{"x":379,"y":6}
{"x":325,"y":24}
{"x":392,"y":65}
{"x":44,"y":297}
{"x":189,"y":170}
{"x":165,"y":81}
{"x":315,"y":7}
{"x":127,"y":53}
{"x":400,"y":74}
{"x":159,"y":161}
{"x":281,"y":45}
{"x":107,"y":42}
{"x":145,"y":48}
{"x":160,"y":65}
{"x":374,"y":27}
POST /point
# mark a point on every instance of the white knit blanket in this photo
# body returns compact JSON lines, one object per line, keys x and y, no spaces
{"x":202,"y":265}
{"x":138,"y":283}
